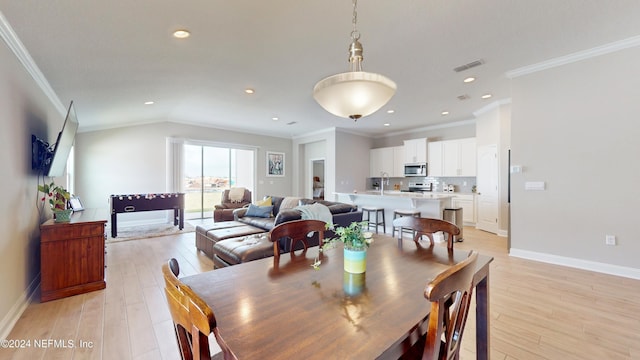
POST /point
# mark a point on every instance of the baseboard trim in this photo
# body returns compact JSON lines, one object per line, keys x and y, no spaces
{"x":503,"y":233}
{"x":18,"y":308}
{"x":617,"y":270}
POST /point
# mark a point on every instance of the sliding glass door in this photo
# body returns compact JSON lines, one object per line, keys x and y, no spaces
{"x":208,"y":171}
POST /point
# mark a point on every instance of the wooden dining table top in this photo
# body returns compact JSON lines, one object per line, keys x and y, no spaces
{"x":289,"y":310}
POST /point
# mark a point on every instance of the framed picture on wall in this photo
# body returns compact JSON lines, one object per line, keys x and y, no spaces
{"x":275,"y":163}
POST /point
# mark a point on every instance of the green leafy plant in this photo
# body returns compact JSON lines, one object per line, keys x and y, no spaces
{"x":354,"y":236}
{"x":57,"y":195}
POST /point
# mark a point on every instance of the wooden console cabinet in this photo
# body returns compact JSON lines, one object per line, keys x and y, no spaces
{"x":72,"y":255}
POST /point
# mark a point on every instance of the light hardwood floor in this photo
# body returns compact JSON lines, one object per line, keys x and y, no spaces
{"x":538,"y":311}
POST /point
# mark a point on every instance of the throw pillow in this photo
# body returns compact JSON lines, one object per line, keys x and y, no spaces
{"x":259,"y":211}
{"x":289,"y":202}
{"x":264,"y":202}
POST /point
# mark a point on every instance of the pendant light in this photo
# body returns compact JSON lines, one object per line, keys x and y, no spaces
{"x":355,"y":93}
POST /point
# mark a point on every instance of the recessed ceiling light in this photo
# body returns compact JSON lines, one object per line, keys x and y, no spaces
{"x":275,"y":118}
{"x":149,"y":103}
{"x":486,"y":96}
{"x":249,"y":91}
{"x":391,"y":111}
{"x":387,"y":124}
{"x":444,"y":113}
{"x":181,"y":34}
{"x":469,"y":79}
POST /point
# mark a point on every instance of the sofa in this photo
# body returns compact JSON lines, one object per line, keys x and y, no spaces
{"x":284,"y":209}
{"x":229,"y":251}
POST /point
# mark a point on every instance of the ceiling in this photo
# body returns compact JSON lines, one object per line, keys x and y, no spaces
{"x":110,"y":57}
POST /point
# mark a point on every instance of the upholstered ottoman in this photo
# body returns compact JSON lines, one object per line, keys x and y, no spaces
{"x":203,"y":243}
{"x":215,"y":235}
{"x":241,"y":249}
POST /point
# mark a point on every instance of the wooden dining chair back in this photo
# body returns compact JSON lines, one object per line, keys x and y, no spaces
{"x":178,"y":307}
{"x":427,"y":227}
{"x":193,"y":319}
{"x":450,"y":296}
{"x":296,"y":231}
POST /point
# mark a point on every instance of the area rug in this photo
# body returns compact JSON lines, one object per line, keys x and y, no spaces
{"x":126,"y":233}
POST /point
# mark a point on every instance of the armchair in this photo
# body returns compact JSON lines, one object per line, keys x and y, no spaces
{"x":224,"y":210}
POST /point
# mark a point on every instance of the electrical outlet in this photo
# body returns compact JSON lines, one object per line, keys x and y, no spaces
{"x":610,"y":240}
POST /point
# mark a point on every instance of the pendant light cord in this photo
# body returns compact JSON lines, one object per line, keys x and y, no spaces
{"x":355,"y":34}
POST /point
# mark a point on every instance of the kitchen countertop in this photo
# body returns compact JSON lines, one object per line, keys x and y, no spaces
{"x":418,"y":194}
{"x":403,"y":194}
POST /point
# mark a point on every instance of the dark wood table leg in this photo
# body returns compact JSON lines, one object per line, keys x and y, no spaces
{"x":114,"y":225}
{"x":181,"y":217}
{"x":482,"y":319}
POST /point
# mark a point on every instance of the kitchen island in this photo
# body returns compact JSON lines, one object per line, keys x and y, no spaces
{"x":430,"y":205}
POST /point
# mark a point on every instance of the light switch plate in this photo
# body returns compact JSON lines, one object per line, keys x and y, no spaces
{"x":534,"y":185}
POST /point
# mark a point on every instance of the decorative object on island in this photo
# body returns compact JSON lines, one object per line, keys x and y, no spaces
{"x":275,"y":163}
{"x":355,"y":93}
{"x":58,"y":197}
{"x":356,"y":241}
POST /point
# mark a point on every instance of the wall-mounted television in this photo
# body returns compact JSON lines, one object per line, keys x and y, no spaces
{"x":51,"y":160}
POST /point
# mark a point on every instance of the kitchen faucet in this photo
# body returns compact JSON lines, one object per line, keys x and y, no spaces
{"x":382,"y":174}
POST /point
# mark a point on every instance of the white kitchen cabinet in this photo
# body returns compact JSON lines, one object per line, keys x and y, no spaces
{"x":415,"y":151}
{"x":468,"y":204}
{"x":468,"y":157}
{"x":389,"y":160}
{"x":398,"y":161}
{"x":435,"y":165}
{"x":459,"y":157}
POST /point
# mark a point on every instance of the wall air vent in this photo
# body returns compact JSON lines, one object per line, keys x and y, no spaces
{"x":464,"y":97}
{"x":469,"y":65}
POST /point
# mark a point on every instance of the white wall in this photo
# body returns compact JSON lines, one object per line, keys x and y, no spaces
{"x":493,"y":126}
{"x":300,"y":160}
{"x":132,"y":160}
{"x":24,"y":110}
{"x":576,"y":128}
{"x":312,"y":151}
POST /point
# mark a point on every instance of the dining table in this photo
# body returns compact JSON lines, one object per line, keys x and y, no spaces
{"x":287,"y":309}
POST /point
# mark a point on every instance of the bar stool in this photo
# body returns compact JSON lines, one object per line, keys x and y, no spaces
{"x":404,"y":212}
{"x":376,"y":211}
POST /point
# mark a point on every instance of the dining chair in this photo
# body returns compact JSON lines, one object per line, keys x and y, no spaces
{"x":193,"y":319}
{"x":296,"y":231}
{"x":450,"y":296}
{"x":427,"y":226}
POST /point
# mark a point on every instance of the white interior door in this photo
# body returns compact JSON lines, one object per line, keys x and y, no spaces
{"x":487,"y":184}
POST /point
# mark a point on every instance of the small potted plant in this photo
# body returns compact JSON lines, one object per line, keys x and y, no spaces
{"x":356,"y":241}
{"x":58,"y":197}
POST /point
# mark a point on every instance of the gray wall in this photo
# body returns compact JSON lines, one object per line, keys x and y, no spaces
{"x":133,"y":160}
{"x":24,"y":110}
{"x":352,"y":167}
{"x":576,"y":128}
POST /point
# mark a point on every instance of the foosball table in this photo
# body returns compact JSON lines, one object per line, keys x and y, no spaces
{"x":147,"y":202}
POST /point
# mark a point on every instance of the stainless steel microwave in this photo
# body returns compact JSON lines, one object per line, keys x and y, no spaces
{"x":417,"y":169}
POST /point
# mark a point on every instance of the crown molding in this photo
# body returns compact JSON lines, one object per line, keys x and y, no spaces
{"x":17,"y":47}
{"x":577,"y":56}
{"x":430,"y":127}
{"x":493,"y":105}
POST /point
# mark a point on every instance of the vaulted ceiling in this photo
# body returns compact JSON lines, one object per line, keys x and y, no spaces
{"x":111,"y":57}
